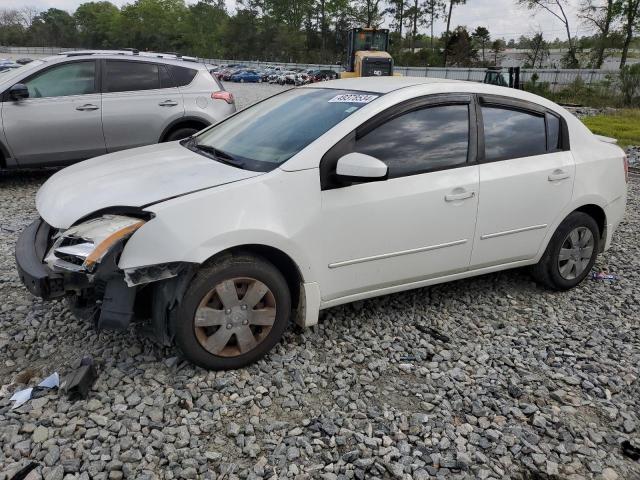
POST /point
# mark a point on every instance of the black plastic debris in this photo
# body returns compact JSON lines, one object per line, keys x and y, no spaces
{"x":433,"y":333}
{"x":24,"y":471}
{"x":79,"y":381}
{"x":630,"y":450}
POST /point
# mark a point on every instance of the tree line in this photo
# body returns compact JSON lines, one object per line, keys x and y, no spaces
{"x":315,"y":31}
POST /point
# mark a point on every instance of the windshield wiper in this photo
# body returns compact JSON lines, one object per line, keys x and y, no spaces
{"x":220,"y":155}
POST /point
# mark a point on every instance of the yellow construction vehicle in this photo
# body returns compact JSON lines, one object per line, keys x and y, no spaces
{"x":367,"y":54}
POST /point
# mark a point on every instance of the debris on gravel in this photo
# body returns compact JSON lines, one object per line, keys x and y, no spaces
{"x":529,"y":384}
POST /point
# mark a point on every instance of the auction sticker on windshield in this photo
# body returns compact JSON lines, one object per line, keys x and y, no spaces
{"x":353,"y":98}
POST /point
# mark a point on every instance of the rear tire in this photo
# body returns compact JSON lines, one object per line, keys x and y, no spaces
{"x":571,"y":253}
{"x":181,"y":133}
{"x":234,"y":311}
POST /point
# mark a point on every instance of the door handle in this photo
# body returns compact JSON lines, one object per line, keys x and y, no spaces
{"x":87,"y":106}
{"x":454,"y":197}
{"x":168,"y":103}
{"x":558,"y":175}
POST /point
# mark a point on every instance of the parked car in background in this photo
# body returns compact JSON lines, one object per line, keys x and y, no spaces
{"x":24,"y":60}
{"x":5,"y":67}
{"x":230,"y":72}
{"x":324,"y":75}
{"x":77,"y":105}
{"x":319,"y":196}
{"x":246,"y":76}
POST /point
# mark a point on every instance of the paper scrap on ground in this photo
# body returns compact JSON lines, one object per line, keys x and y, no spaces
{"x":23,"y":396}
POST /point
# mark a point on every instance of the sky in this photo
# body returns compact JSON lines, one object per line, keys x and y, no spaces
{"x":502,"y":17}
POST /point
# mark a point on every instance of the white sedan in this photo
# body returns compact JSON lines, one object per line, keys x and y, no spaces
{"x":320,"y":196}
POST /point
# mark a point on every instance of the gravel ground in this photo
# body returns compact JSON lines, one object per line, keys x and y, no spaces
{"x":511,"y":382}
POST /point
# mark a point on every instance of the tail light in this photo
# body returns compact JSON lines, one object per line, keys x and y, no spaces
{"x":626,"y":168}
{"x":222,"y":95}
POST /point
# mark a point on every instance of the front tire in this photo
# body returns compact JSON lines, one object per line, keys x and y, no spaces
{"x":180,"y":133}
{"x":571,"y":253}
{"x":234,"y":311}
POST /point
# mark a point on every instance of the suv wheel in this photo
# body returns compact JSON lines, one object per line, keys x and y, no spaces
{"x":570,"y":254}
{"x":180,"y":133}
{"x":233,"y":313}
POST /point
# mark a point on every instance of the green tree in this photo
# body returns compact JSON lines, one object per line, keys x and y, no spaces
{"x":497,"y":47}
{"x":459,"y":48}
{"x":630,"y":12}
{"x":557,"y":8}
{"x":98,"y":24}
{"x":537,"y":51}
{"x":446,"y":36}
{"x":54,"y":27}
{"x":154,"y":25}
{"x":482,"y":38}
{"x":600,"y":14}
{"x":205,"y":22}
{"x":12,"y":29}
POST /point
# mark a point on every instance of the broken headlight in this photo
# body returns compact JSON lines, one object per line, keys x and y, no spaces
{"x":82,"y":247}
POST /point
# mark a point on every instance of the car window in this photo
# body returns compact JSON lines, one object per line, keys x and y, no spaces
{"x":553,"y":133}
{"x":77,"y":78}
{"x":270,"y":132}
{"x":512,"y":133}
{"x":182,"y":75}
{"x":131,"y":76}
{"x":422,"y":140}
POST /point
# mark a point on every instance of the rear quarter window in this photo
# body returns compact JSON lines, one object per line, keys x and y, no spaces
{"x":182,"y":76}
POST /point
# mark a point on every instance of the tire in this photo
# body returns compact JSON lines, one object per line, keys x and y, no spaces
{"x":180,"y":133}
{"x":231,"y":321}
{"x":557,"y":273}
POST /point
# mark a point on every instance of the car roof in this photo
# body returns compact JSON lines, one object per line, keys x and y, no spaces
{"x":190,"y":62}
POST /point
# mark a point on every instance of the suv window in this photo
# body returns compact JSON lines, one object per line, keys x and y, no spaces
{"x":124,"y":76}
{"x":512,"y":133}
{"x":419,"y":141}
{"x":77,"y":78}
{"x":182,"y":75}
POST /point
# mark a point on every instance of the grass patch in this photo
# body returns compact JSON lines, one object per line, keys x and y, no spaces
{"x":624,"y":125}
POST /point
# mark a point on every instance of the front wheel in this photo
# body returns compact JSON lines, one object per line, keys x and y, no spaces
{"x":233,"y":313}
{"x":570,"y":254}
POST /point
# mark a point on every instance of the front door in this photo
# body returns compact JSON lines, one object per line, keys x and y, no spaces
{"x":60,"y":121}
{"x":417,"y":224}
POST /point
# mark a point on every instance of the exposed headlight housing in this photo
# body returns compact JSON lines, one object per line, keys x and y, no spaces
{"x":82,"y":247}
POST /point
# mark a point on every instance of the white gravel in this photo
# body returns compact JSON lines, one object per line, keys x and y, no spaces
{"x":531,"y":384}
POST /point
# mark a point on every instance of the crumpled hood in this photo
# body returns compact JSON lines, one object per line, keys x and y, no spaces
{"x":130,"y":178}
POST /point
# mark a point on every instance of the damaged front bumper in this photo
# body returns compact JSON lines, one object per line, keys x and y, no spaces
{"x":39,"y":279}
{"x":111,"y":297}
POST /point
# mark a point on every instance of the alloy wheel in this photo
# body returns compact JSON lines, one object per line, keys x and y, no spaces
{"x":575,"y":253}
{"x":235,"y":317}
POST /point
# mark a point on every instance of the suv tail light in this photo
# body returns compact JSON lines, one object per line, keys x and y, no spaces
{"x":222,"y":95}
{"x":626,"y":168}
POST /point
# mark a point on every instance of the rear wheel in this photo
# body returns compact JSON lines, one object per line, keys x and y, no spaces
{"x":233,"y":313}
{"x":570,"y":254}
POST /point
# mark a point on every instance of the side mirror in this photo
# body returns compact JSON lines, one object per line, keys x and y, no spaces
{"x":359,"y":167}
{"x":19,"y":91}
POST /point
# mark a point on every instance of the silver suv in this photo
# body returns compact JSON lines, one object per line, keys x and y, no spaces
{"x":77,"y":105}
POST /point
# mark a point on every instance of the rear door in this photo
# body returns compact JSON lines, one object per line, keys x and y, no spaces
{"x":61,"y":121}
{"x":139,"y":100}
{"x":526,"y":179}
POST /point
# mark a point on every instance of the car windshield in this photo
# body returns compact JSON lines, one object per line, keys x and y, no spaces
{"x":269,"y":133}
